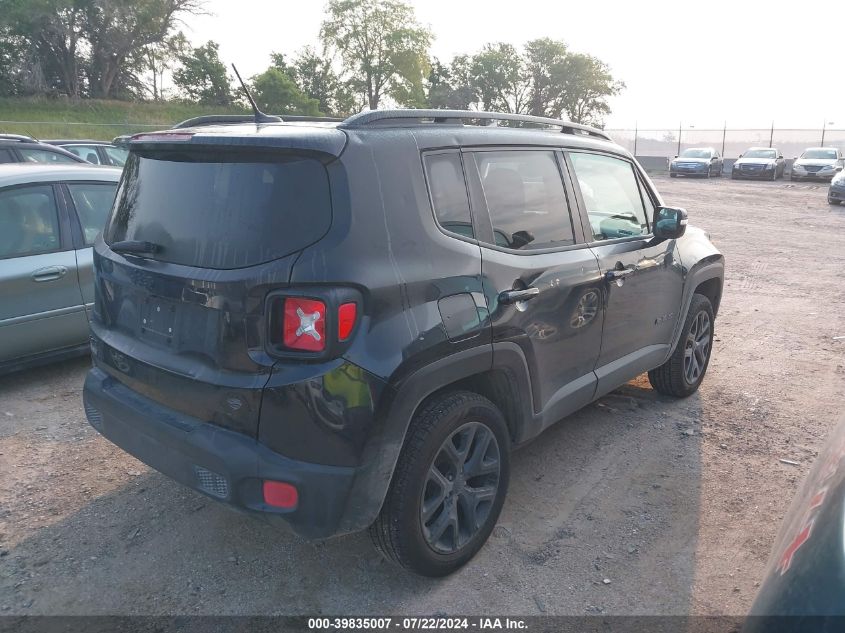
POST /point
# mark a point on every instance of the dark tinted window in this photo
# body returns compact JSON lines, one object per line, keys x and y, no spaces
{"x":6,"y":156}
{"x":611,"y":194}
{"x":35,"y":155}
{"x":29,"y":223}
{"x":116,"y":155}
{"x":449,"y":192}
{"x":93,"y":203}
{"x":525,"y":198}
{"x":221,"y":210}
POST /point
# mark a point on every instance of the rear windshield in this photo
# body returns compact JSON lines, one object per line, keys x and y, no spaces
{"x":221,"y":210}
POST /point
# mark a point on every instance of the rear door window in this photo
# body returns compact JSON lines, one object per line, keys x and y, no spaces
{"x":29,"y":221}
{"x":526,"y":199}
{"x":93,"y":201}
{"x":221,"y":210}
{"x":6,"y":156}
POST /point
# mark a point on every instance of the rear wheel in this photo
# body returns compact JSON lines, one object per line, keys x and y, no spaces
{"x":681,"y":375}
{"x":671,"y":175}
{"x":449,"y":485}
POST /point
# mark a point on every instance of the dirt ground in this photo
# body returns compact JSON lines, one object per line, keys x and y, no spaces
{"x":638,"y":504}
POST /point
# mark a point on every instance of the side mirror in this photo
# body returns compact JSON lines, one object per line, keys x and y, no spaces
{"x":740,"y":156}
{"x":669,"y":223}
{"x":676,"y":155}
{"x":780,"y":157}
{"x":714,"y":159}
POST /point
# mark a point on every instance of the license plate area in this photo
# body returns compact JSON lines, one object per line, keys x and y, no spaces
{"x":158,"y":320}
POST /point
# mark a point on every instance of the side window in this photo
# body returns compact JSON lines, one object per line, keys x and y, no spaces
{"x":32,"y":155}
{"x":117,"y":155}
{"x":611,"y":194}
{"x":29,"y":221}
{"x":449,"y":192}
{"x":85,"y":152}
{"x":6,"y":156}
{"x":93,"y":203}
{"x":525,"y":198}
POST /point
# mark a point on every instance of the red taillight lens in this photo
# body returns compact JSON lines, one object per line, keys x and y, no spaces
{"x":304,"y":324}
{"x":280,"y":495}
{"x":346,"y":315}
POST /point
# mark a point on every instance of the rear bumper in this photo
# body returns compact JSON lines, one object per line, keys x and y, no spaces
{"x":222,"y":464}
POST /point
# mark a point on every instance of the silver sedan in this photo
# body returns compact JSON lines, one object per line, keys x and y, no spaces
{"x":49,"y":217}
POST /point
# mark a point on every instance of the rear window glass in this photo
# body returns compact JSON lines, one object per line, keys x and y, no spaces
{"x":223,"y":210}
{"x":449,"y":192}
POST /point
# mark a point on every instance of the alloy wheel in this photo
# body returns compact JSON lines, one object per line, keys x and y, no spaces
{"x":460,"y":487}
{"x":697,"y":348}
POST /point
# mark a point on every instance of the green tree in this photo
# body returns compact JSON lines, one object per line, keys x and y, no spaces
{"x":546,"y":64}
{"x":452,"y":86}
{"x":318,"y":80}
{"x":202,"y":77}
{"x":275,"y":92}
{"x":55,"y":31}
{"x":587,"y":86}
{"x":499,"y":78}
{"x":158,"y":58}
{"x":384,"y":48}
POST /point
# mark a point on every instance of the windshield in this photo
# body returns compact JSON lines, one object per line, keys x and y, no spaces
{"x":221,"y":210}
{"x":695,"y":153}
{"x":760,"y":153}
{"x":829,"y":154}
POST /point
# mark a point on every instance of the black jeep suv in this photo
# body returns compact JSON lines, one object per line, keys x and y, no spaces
{"x":350,"y":325}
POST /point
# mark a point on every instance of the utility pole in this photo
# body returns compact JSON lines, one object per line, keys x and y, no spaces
{"x":772,"y":134}
{"x":680,"y":129}
{"x":635,"y":138}
{"x":724,"y":131}
{"x":824,"y":128}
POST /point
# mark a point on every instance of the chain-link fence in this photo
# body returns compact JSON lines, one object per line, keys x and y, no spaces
{"x":730,"y":142}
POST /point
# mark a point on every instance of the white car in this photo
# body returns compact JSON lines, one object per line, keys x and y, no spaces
{"x":817,"y":163}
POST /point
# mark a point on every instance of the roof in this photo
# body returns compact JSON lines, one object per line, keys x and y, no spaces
{"x":20,"y":173}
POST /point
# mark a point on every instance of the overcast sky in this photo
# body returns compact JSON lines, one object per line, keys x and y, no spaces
{"x":744,"y":61}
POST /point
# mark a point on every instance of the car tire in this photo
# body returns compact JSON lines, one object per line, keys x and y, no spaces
{"x":457,"y":445}
{"x":774,"y":174}
{"x":681,"y":375}
{"x":832,"y":201}
{"x":671,"y":175}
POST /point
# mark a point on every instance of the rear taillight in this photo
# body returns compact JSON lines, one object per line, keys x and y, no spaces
{"x":304,"y":324}
{"x":346,"y":315}
{"x":316,"y":325}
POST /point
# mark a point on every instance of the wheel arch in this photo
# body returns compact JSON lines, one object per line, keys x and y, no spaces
{"x":506,"y":384}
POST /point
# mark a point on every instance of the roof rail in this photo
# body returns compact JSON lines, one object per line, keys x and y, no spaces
{"x":456,"y":117}
{"x":21,"y":138}
{"x":226,"y":119}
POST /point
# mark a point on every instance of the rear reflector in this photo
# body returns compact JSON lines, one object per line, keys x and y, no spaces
{"x":346,"y":314}
{"x":280,"y":495}
{"x":304,"y":324}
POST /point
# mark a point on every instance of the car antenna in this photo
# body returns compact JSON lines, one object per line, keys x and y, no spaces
{"x":260,"y":117}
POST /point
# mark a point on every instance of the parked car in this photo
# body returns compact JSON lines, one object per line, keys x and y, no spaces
{"x":836,"y":193}
{"x":759,"y":162}
{"x":96,"y":152}
{"x":342,"y":326}
{"x":805,"y":576}
{"x":15,"y":148}
{"x":697,"y":161}
{"x":817,"y":163}
{"x":49,"y":217}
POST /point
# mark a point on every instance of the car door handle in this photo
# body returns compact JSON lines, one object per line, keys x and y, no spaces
{"x":513,"y":296}
{"x":50,"y":273}
{"x":616,"y":275}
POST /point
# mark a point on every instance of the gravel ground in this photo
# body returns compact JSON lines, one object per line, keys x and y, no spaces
{"x":637,"y":504}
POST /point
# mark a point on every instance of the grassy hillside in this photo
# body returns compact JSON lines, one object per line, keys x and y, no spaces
{"x":94,"y":119}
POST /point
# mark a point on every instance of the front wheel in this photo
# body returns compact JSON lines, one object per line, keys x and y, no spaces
{"x":681,"y":375}
{"x":448,"y":487}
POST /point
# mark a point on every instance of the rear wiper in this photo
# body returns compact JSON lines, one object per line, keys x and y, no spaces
{"x":135,"y":246}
